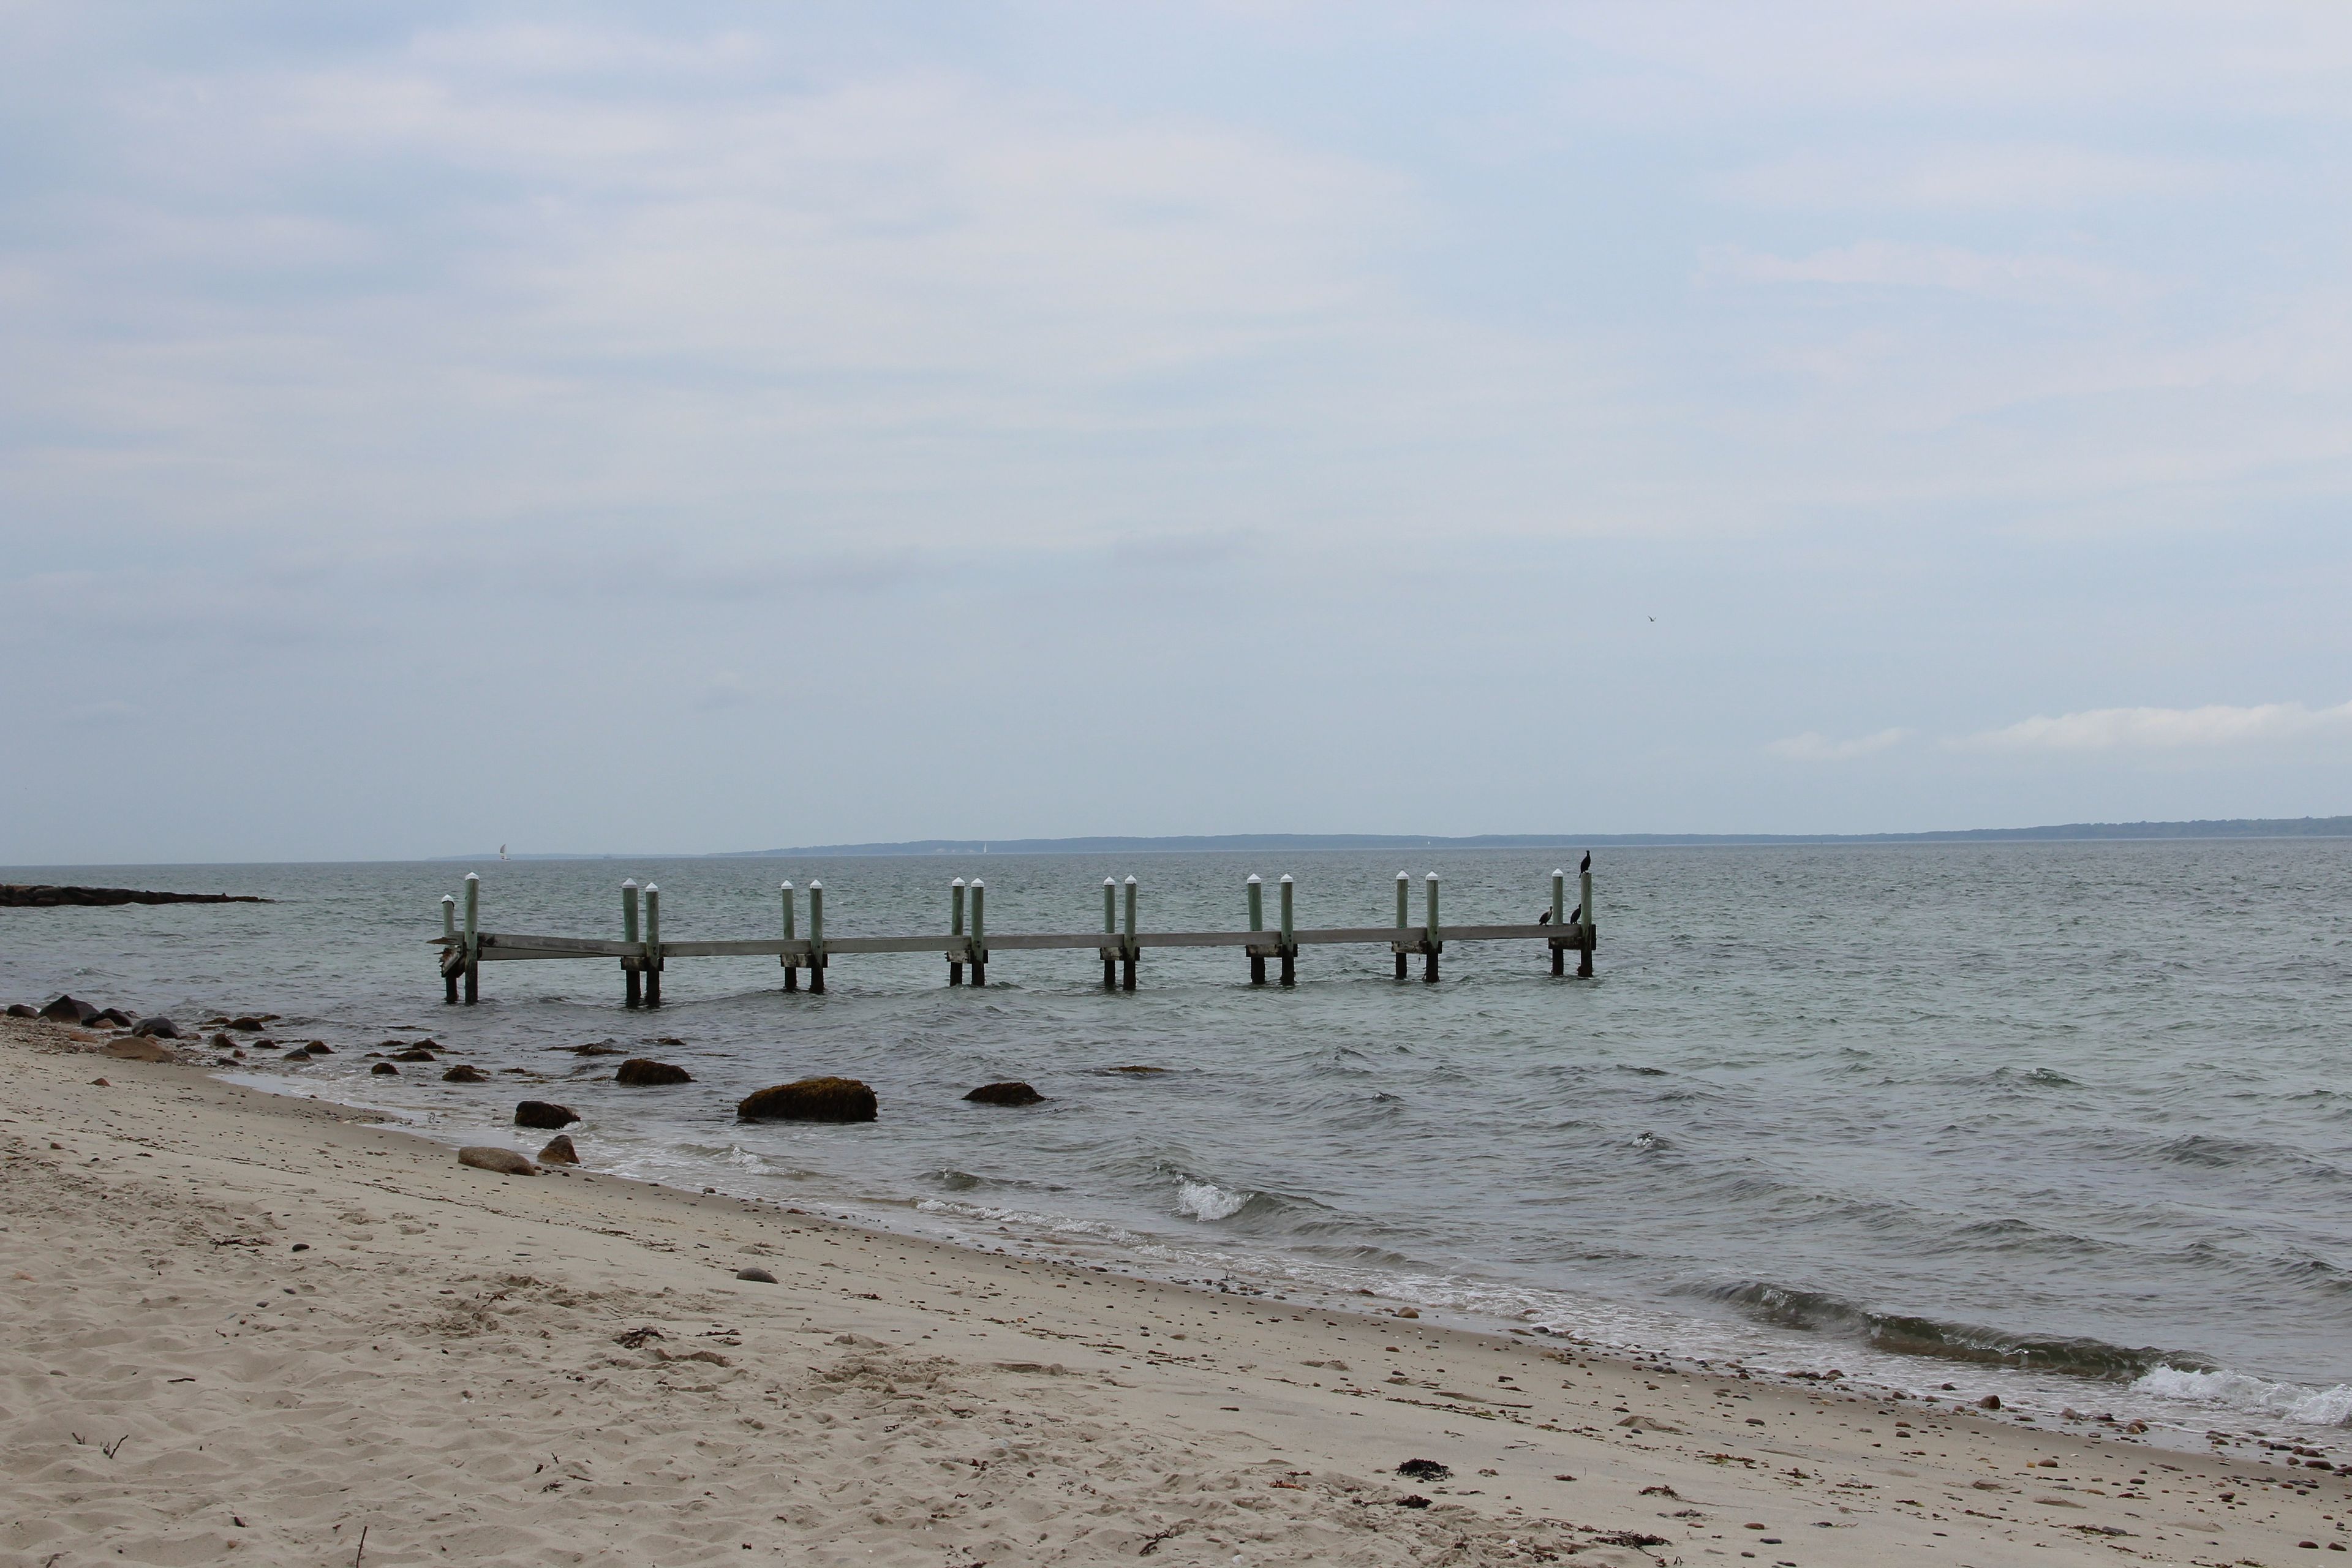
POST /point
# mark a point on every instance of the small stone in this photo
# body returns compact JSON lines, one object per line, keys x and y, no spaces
{"x":301,"y":1247}
{"x":114,"y":1018}
{"x":221,"y":1042}
{"x":505,"y":1162}
{"x":22,"y":1010}
{"x":1989,"y":1402}
{"x":811,"y":1099}
{"x":320,"y":1048}
{"x":99,"y":1083}
{"x":1408,"y":1311}
{"x":757,"y":1275}
{"x":1011,"y":1093}
{"x":544,"y":1114}
{"x":559,"y":1152}
{"x":461,"y":1073}
{"x":643,"y":1072}
{"x":248,"y":1024}
{"x":159,"y":1027}
{"x":414,"y":1053}
{"x":381,"y":1069}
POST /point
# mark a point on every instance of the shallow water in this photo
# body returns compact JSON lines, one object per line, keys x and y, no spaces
{"x":2066,"y":1122}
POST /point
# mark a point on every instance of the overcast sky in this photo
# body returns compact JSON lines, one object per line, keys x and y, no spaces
{"x":708,"y":426}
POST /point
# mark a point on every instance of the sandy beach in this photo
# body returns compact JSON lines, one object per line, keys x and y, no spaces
{"x":249,"y":1328}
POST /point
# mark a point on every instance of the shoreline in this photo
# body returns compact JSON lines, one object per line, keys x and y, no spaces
{"x":442,"y":1331}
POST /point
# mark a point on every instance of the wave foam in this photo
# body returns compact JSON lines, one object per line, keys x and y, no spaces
{"x":1208,"y":1201}
{"x":2243,"y":1391}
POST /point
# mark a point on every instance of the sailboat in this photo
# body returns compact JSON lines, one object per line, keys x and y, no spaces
{"x":502,"y":851}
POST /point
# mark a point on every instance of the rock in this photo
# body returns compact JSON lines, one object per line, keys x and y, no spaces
{"x":598,"y":1048}
{"x":264,"y":1045}
{"x":1989,"y":1402}
{"x":113,"y":1015}
{"x":1005,"y":1094}
{"x":135,"y":1050}
{"x":95,"y":1083}
{"x":320,"y":1048}
{"x":668,"y":1040}
{"x":756,"y":1276}
{"x":221,"y":1042}
{"x":414,"y":1053}
{"x":385,"y":1069}
{"x":1140,"y":1071}
{"x":541,"y":1114}
{"x":461,"y":1073}
{"x":20,"y":1010}
{"x":505,"y":1162}
{"x":249,"y":1025}
{"x":559,"y":1152}
{"x":158,"y":1027}
{"x":1425,"y":1471}
{"x":1407,"y":1311}
{"x":643,"y":1072}
{"x":68,"y":1010}
{"x":810,"y":1099}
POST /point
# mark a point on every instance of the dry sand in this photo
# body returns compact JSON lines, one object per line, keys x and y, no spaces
{"x":246,"y":1328}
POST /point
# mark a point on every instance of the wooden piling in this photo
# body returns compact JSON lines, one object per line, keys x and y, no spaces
{"x":790,"y":960}
{"x":653,"y":946}
{"x":955,"y":927}
{"x":1559,"y":920}
{"x":1404,"y":884}
{"x":1585,"y":926}
{"x":1110,"y":944}
{"x":1128,"y":948}
{"x":816,"y":937}
{"x":473,"y":939}
{"x":1432,"y":947}
{"x":1256,"y":923}
{"x":979,"y":946}
{"x":630,"y":983}
{"x":1289,"y":947}
{"x":448,"y":952}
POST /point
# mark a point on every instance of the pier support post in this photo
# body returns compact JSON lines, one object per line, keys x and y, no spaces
{"x":1257,"y":923}
{"x":1403,"y":894}
{"x":1289,"y":947}
{"x":1559,"y":920}
{"x":1110,"y":934}
{"x":978,"y":947}
{"x":1584,"y":921}
{"x":1127,"y":949}
{"x":816,"y":937}
{"x":450,"y":952}
{"x":790,"y":961}
{"x":653,"y":946}
{"x":631,"y":984}
{"x":473,"y":939}
{"x":955,"y":927}
{"x":1430,"y":952}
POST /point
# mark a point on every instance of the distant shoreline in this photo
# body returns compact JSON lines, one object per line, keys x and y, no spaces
{"x":1230,"y":843}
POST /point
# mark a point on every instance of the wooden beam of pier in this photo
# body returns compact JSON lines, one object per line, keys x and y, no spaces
{"x":509,"y":946}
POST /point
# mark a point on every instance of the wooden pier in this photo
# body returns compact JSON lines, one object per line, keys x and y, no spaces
{"x":967,"y":944}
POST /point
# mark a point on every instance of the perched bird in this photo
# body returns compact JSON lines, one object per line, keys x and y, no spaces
{"x":1544,"y":919}
{"x":1587,"y":864}
{"x":1576,"y":915}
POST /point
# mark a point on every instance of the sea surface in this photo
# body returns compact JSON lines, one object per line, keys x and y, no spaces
{"x":2070,"y":1123}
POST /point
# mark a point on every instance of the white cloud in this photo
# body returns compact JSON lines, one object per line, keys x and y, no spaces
{"x":2214,"y":726}
{"x":1888,"y":265}
{"x":1973,"y":177}
{"x":1813,"y":746}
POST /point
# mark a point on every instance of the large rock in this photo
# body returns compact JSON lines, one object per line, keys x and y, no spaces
{"x":385,"y":1069}
{"x":461,"y":1073}
{"x":248,"y":1024}
{"x":159,"y":1027}
{"x":811,"y":1099}
{"x":1005,"y":1094}
{"x":414,"y":1053}
{"x":541,"y":1114}
{"x":22,"y":1010}
{"x":114,"y":1016}
{"x":505,"y":1162}
{"x":138,"y":1050}
{"x":559,"y":1152}
{"x":69,"y":1010}
{"x":643,"y":1072}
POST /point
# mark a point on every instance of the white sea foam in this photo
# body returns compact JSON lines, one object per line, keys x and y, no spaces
{"x":1207,"y":1200}
{"x":2241,"y":1392}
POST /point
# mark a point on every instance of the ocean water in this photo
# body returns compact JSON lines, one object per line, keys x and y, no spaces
{"x":2071,"y":1123}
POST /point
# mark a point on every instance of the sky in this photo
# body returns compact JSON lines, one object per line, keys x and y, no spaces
{"x":723,"y":426}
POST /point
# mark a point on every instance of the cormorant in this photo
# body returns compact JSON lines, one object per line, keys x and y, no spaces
{"x":1587,"y":864}
{"x":1544,"y":919}
{"x":1576,"y":915}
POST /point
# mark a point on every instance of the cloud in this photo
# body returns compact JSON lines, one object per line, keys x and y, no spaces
{"x":2212,"y":727}
{"x":1813,"y":746}
{"x":1887,"y":265}
{"x":1973,"y":177}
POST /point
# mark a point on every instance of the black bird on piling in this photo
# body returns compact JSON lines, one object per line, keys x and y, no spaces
{"x":1544,"y":919}
{"x":1576,"y":914}
{"x":1587,"y":864}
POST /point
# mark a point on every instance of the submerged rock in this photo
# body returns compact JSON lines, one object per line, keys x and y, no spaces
{"x":559,"y":1152}
{"x":643,"y":1072}
{"x":114,"y":1016}
{"x":381,"y":1069}
{"x":414,"y":1053}
{"x":811,"y":1099}
{"x":248,"y":1024}
{"x":461,"y":1073}
{"x":160,"y":1028}
{"x":543,"y":1113}
{"x":505,"y":1162}
{"x":1005,"y":1094}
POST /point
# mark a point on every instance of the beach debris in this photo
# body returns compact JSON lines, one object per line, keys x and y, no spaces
{"x":1660,"y":1491}
{"x":1650,"y":1424}
{"x":22,"y":1010}
{"x":96,"y":1083}
{"x":1415,"y":1500}
{"x":811,"y":1099}
{"x":545,"y":1114}
{"x":559,"y":1152}
{"x":461,"y":1073}
{"x":643,"y":1072}
{"x":1011,"y":1093}
{"x":634,"y":1339}
{"x":1636,"y":1539}
{"x":381,"y":1069}
{"x":757,"y":1275}
{"x":505,"y":1162}
{"x":1425,"y":1471}
{"x":138,"y":1050}
{"x":1404,"y":1311}
{"x":68,"y":1010}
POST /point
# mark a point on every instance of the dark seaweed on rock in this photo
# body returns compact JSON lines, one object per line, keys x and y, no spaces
{"x":811,"y":1099}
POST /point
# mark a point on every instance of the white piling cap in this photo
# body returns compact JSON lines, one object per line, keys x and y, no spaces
{"x":1285,"y":879}
{"x":1112,"y":882}
{"x":472,"y":876}
{"x":957,"y":883}
{"x":651,"y":888}
{"x":1253,"y":881}
{"x":1432,"y":876}
{"x":978,"y":883}
{"x":1403,"y":877}
{"x":1130,"y":881}
{"x":1557,"y":873}
{"x":628,"y":883}
{"x":784,"y":886}
{"x":815,"y":885}
{"x":449,"y":897}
